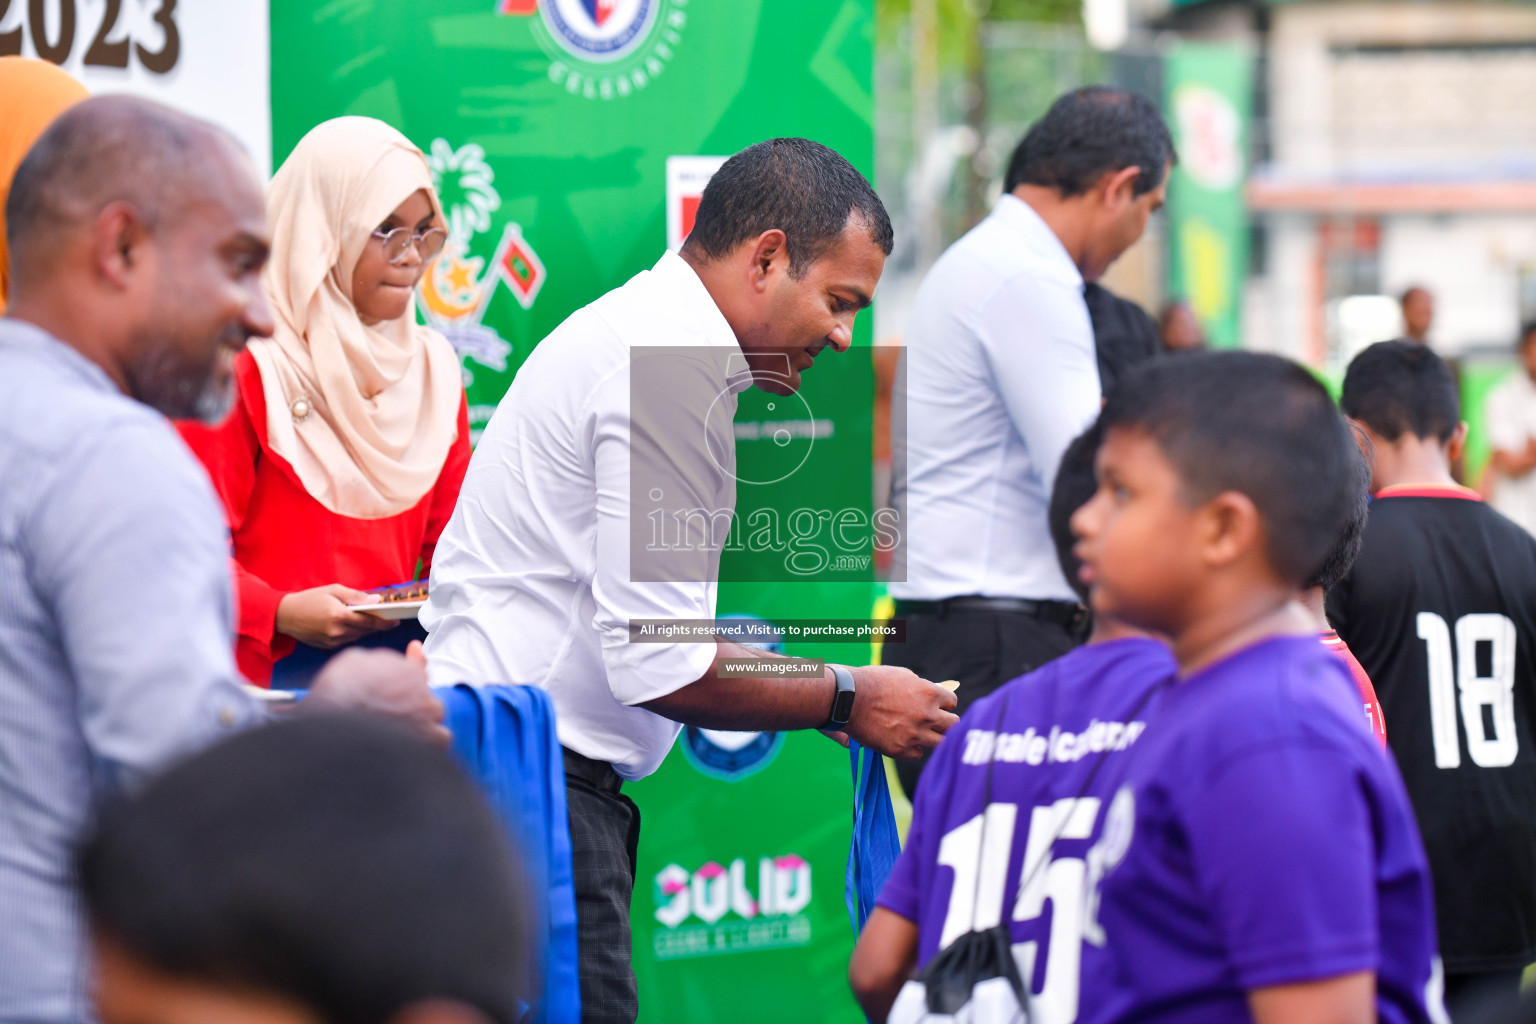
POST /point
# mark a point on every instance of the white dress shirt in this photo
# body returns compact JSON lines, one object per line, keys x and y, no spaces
{"x":1000,"y":377}
{"x":1510,"y":419}
{"x":531,"y":580}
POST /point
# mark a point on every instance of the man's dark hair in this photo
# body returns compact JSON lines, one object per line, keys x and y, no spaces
{"x":1398,"y":387}
{"x":1256,"y":424}
{"x":333,"y":861}
{"x":1346,"y":546}
{"x":1091,"y":132}
{"x":800,"y":187}
{"x":1076,"y":480}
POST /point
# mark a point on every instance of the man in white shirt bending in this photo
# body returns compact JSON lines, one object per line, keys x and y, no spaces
{"x":999,"y":376}
{"x":624,"y":411}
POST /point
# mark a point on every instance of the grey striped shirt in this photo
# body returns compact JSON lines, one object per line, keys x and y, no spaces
{"x":116,"y":637}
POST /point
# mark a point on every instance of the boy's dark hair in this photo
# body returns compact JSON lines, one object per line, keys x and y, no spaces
{"x":800,"y":187}
{"x":1346,"y":546}
{"x":1088,"y":133}
{"x":333,"y":861}
{"x":1076,"y":480}
{"x":1527,"y":334}
{"x":1253,"y":423}
{"x":1398,"y":387}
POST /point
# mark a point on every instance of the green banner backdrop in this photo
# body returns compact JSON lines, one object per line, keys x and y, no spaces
{"x":1209,"y":100}
{"x":550,"y":124}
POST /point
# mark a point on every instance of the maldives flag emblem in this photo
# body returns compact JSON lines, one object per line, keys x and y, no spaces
{"x":519,"y":266}
{"x":599,"y":10}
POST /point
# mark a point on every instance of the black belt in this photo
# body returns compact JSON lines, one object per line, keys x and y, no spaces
{"x":1067,"y":614}
{"x":591,"y":770}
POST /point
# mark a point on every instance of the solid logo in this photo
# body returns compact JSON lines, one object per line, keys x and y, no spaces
{"x":713,"y":910}
{"x":599,"y":30}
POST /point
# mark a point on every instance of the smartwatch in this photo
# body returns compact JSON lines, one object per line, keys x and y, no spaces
{"x":842,"y":700}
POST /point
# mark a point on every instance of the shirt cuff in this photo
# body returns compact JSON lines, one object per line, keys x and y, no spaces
{"x":638,"y":672}
{"x":1265,"y":968}
{"x":258,"y":608}
{"x":899,"y":900}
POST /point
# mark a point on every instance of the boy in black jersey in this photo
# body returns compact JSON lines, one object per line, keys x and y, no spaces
{"x":1440,"y":609}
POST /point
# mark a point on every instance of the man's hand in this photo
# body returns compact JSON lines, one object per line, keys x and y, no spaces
{"x":381,"y":682}
{"x":320,"y":617}
{"x":897,"y":713}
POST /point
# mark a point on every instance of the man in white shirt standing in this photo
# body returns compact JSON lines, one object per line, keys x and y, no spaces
{"x":1000,"y":376}
{"x":1510,"y":419}
{"x":623,"y":414}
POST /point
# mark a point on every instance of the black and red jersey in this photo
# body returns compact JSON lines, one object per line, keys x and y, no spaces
{"x":1440,"y":610}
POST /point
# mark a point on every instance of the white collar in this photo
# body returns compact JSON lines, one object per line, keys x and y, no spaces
{"x":1021,"y":218}
{"x":695,"y":306}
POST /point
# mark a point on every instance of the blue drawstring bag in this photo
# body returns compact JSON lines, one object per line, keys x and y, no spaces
{"x":876,"y":844}
{"x":505,"y":736}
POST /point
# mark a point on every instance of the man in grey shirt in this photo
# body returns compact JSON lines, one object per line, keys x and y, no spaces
{"x":137,"y":238}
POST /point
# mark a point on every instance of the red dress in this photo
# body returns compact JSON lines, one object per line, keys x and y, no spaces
{"x":283,"y":540}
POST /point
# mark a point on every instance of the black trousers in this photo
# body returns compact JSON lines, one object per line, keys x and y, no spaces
{"x":981,"y":648}
{"x":605,"y":835}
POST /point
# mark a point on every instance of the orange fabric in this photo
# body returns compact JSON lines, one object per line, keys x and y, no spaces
{"x":32,"y":94}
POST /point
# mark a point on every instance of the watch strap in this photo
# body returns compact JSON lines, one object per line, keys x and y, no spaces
{"x":842,"y":699}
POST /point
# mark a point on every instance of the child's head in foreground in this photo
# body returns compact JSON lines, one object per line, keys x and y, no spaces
{"x":324,"y":870}
{"x":1403,"y":394}
{"x":1224,"y":480}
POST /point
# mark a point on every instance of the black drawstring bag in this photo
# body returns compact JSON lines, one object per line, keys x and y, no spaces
{"x":973,"y":980}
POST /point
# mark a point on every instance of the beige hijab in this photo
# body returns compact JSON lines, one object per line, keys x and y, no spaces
{"x":365,"y":415}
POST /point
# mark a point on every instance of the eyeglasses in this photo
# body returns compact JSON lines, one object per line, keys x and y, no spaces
{"x":399,"y":241}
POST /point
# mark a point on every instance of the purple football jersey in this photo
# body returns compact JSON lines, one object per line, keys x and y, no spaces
{"x":1056,"y":740}
{"x":1258,"y":838}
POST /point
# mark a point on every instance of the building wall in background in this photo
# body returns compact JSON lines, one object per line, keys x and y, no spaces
{"x":1416,"y":119}
{"x":209,"y":59}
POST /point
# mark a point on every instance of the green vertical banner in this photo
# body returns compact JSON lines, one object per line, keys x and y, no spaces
{"x":1209,"y":98}
{"x":570,"y":140}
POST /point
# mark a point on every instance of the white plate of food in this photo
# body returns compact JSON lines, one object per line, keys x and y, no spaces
{"x":390,"y":609}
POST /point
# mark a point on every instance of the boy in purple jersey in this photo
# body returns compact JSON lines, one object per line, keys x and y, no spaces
{"x":1260,"y":859}
{"x":1054,"y":739}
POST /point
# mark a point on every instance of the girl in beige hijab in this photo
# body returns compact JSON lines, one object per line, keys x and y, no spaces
{"x":343,"y":457}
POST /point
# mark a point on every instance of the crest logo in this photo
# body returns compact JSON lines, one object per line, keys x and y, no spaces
{"x":599,"y":30}
{"x":604,"y":49}
{"x":732,"y":756}
{"x":600,"y":10}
